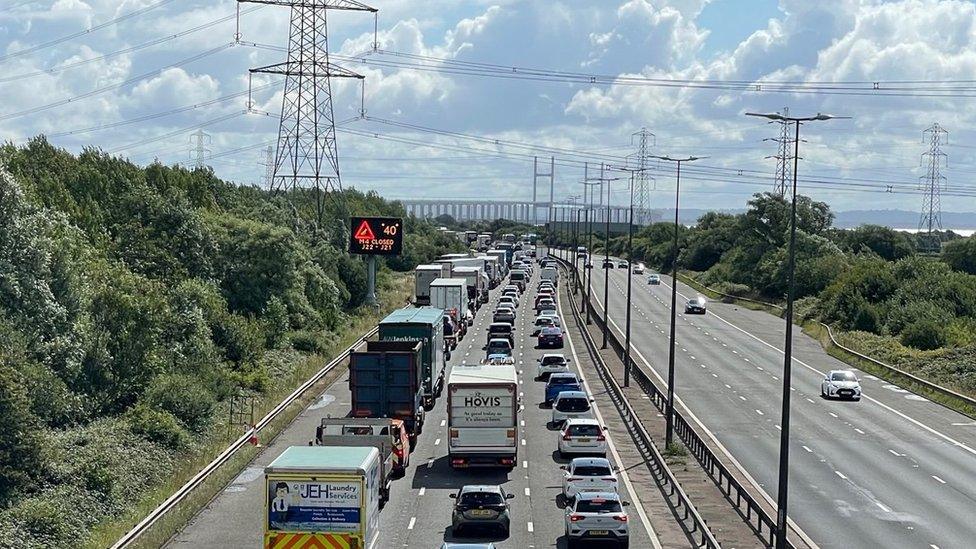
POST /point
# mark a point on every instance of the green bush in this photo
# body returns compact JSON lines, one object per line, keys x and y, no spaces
{"x":187,"y":398}
{"x":961,"y":255}
{"x":867,"y":319}
{"x":924,"y":335}
{"x":157,"y":426}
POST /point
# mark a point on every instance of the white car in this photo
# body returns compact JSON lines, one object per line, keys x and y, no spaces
{"x":841,"y":384}
{"x":597,"y":516}
{"x":589,"y":474}
{"x":582,"y":436}
{"x":552,"y":363}
{"x":548,"y":312}
{"x":509,"y":287}
{"x":508,"y":300}
{"x":639,"y":269}
{"x":571,"y":405}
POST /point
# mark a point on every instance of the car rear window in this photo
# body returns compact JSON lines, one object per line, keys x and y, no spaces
{"x":598,"y":506}
{"x":481,"y":498}
{"x":553,"y":360}
{"x":561,"y":380}
{"x":584,"y":430}
{"x":503,"y":329}
{"x":591,"y":471}
{"x":573,"y":405}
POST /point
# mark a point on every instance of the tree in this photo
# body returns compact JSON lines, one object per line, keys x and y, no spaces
{"x":960,"y":255}
{"x":884,"y":241}
{"x":20,"y":447}
{"x":714,"y":235}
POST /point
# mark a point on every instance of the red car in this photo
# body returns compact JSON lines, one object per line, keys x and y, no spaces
{"x":551,"y":337}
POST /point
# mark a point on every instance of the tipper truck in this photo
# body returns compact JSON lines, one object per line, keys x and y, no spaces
{"x":328,"y":496}
{"x":426,"y":325}
{"x":386,"y":380}
{"x":482,"y":409}
{"x":423,"y":276}
{"x":347,"y":432}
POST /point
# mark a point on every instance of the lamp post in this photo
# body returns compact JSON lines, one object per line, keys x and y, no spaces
{"x":606,"y":266}
{"x":630,"y":276}
{"x":784,"y":436}
{"x":669,"y":413}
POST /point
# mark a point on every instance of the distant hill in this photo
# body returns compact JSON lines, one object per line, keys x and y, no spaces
{"x":898,"y":219}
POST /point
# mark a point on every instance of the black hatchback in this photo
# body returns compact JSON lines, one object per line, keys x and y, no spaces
{"x":481,"y":506}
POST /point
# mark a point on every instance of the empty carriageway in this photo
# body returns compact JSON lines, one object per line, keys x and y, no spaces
{"x":418,"y":514}
{"x":893,"y":470}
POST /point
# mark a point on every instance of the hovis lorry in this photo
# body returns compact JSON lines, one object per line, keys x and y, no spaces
{"x":482,"y":410}
{"x":423,"y":276}
{"x":426,"y":325}
{"x":386,"y":380}
{"x":329,"y":497}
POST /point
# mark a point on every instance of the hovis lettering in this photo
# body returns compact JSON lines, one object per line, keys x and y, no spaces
{"x":482,"y":401}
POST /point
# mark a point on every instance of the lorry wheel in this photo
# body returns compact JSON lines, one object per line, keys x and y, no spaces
{"x":447,"y":355}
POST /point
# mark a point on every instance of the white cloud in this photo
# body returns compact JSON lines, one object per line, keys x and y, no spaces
{"x":173,"y":87}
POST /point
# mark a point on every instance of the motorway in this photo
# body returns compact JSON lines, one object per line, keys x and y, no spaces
{"x":419,"y":511}
{"x":893,"y":470}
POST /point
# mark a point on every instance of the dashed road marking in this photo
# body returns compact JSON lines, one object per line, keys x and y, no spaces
{"x":841,"y":475}
{"x":832,"y":414}
{"x":760,"y":412}
{"x":413,"y":520}
{"x":423,"y":490}
{"x":529,"y":526}
{"x":938,"y":479}
{"x":808,"y":449}
{"x":437,"y":442}
{"x":526,"y":491}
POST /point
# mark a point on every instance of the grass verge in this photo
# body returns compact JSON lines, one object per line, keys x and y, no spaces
{"x":393,"y":296}
{"x":817,"y":331}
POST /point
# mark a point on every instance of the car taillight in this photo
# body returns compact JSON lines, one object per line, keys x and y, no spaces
{"x":610,"y":479}
{"x":567,"y":436}
{"x":362,"y":413}
{"x":398,"y":451}
{"x":458,"y":462}
{"x":575,"y":518}
{"x":507,"y":461}
{"x":621,"y":518}
{"x":601,"y":438}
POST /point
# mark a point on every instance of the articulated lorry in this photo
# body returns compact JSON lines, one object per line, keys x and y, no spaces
{"x":386,"y":381}
{"x":451,"y":295}
{"x":426,"y":325}
{"x":502,"y":258}
{"x":329,"y":497}
{"x":482,"y":410}
{"x":477,"y":283}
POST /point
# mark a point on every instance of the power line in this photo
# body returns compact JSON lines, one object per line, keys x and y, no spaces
{"x":72,"y":36}
{"x":138,"y":47}
{"x":97,"y":91}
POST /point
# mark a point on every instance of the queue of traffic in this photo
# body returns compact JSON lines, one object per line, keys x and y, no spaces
{"x":334,"y":488}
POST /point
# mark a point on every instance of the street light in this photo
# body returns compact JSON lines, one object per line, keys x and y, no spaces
{"x":784,"y":437}
{"x":669,"y":413}
{"x":606,"y":266}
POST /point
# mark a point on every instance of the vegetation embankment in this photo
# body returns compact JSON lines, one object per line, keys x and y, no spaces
{"x":135,"y":303}
{"x":881,"y":296}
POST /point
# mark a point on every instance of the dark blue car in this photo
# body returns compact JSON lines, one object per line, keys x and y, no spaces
{"x":559,"y":382}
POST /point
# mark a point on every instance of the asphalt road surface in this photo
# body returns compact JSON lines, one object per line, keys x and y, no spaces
{"x":893,"y":470}
{"x":418,"y":514}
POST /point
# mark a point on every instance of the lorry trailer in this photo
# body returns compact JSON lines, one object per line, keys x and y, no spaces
{"x":482,"y":410}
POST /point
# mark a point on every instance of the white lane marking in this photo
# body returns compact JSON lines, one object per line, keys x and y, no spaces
{"x":883,"y":507}
{"x":413,"y":520}
{"x":938,"y":479}
{"x":894,"y":453}
{"x":691,"y":357}
{"x":523,"y":442}
{"x":841,"y":475}
{"x":727,"y":386}
{"x":832,"y":414}
{"x":443,"y":422}
{"x":437,"y":442}
{"x":636,"y":503}
{"x":869,"y":399}
{"x":810,"y":401}
{"x":526,"y":490}
{"x":762,"y":491}
{"x":423,"y":490}
{"x":760,"y":412}
{"x":714,"y":375}
{"x":742,"y":398}
{"x":522,"y":423}
{"x":430,"y":462}
{"x":529,"y":526}
{"x":525,"y":464}
{"x":808,"y":449}
{"x":778,"y":427}
{"x":858,"y":430}
{"x":933,"y":546}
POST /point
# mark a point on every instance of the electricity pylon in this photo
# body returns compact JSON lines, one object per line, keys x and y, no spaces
{"x":932,"y":183}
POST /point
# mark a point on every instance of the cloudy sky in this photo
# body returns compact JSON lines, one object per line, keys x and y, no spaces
{"x":140,"y":86}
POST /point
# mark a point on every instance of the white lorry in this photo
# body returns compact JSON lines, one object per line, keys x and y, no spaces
{"x":326,"y":496}
{"x":477,"y":283}
{"x":451,"y":295}
{"x":482,"y":416}
{"x":423,"y":276}
{"x":550,"y":274}
{"x":502,"y":260}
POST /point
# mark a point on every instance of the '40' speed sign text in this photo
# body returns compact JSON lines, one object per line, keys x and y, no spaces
{"x":376,"y":236}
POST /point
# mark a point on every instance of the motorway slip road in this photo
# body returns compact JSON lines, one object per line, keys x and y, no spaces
{"x":418,"y":514}
{"x":893,"y":470}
